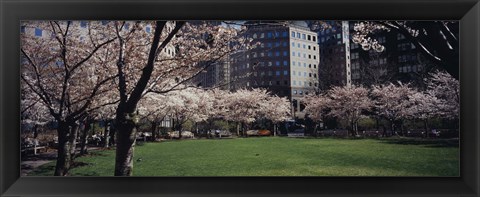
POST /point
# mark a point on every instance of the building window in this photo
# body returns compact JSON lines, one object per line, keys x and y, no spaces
{"x":269,"y":45}
{"x":277,"y":34}
{"x":310,"y":66}
{"x":314,"y":57}
{"x":303,"y":36}
{"x":277,"y":44}
{"x":277,"y":53}
{"x":298,"y":45}
{"x":285,"y":72}
{"x":304,"y":46}
{"x":354,"y":56}
{"x":305,"y":74}
{"x":83,"y":24}
{"x":285,"y":53}
{"x":309,"y":56}
{"x":285,"y":63}
{"x":277,"y":73}
{"x":284,"y":34}
{"x":339,"y":36}
{"x":284,"y":44}
{"x":305,"y":65}
{"x":314,"y":38}
{"x":293,"y":73}
{"x":309,"y":37}
{"x":270,"y":54}
{"x":38,"y":32}
{"x":293,"y":44}
{"x":309,"y":47}
{"x":269,"y":35}
{"x":309,"y":74}
{"x":294,"y":91}
{"x":277,"y":63}
{"x":293,"y":34}
{"x":262,"y":35}
{"x":293,"y":53}
{"x":314,"y":66}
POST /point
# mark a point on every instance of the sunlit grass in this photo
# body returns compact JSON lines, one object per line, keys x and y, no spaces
{"x":280,"y":156}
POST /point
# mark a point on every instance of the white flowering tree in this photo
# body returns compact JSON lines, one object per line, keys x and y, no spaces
{"x":424,"y":107}
{"x":244,"y":106}
{"x":316,"y":108}
{"x":154,"y":108}
{"x":144,"y":65}
{"x":391,"y":102}
{"x":276,"y":109}
{"x":436,"y":40}
{"x":62,"y":66}
{"x":349,"y":103}
{"x":447,"y":89}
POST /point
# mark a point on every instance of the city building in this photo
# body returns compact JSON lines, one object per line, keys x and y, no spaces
{"x":284,"y":61}
{"x":345,"y":63}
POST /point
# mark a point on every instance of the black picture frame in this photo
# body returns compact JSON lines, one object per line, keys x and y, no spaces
{"x":467,"y":11}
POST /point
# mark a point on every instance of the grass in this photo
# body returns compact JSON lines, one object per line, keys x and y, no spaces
{"x":279,"y":156}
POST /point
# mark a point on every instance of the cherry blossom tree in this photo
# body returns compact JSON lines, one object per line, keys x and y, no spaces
{"x":63,"y":68}
{"x":154,"y":108}
{"x":349,"y":103}
{"x":316,"y":108}
{"x":447,"y":89}
{"x":436,"y":40}
{"x":244,"y":106}
{"x":424,"y":107}
{"x":276,"y":109}
{"x":144,"y":66}
{"x":391,"y":102}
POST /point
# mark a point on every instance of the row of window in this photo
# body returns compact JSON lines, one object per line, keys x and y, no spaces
{"x":305,"y":55}
{"x":299,"y":73}
{"x":299,"y":64}
{"x":274,"y":34}
{"x":273,"y":44}
{"x":309,"y":47}
{"x":267,"y":83}
{"x":303,"y":36}
{"x":304,"y":83}
{"x":299,"y":92}
{"x":405,"y":58}
{"x":408,"y":68}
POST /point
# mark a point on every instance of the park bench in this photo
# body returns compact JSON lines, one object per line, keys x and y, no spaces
{"x":35,"y":149}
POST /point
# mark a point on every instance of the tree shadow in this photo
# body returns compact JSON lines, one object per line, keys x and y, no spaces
{"x":435,"y":143}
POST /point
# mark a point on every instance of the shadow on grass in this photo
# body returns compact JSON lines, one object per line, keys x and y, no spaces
{"x":435,"y":143}
{"x":44,"y":170}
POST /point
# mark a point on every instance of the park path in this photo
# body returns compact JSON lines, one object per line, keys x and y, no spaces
{"x":32,"y":162}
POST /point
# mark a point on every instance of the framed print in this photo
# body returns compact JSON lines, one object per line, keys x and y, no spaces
{"x":279,"y":98}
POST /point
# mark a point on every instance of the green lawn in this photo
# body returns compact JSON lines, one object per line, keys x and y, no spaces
{"x":280,"y":156}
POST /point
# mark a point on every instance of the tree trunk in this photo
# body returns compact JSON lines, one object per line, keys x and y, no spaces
{"x":425,"y":122}
{"x":73,"y":140}
{"x":154,"y":130}
{"x":238,"y":129}
{"x":83,"y":138}
{"x":392,"y":126}
{"x":63,"y":153}
{"x":125,"y":146}
{"x":113,"y":131}
{"x":106,"y":134}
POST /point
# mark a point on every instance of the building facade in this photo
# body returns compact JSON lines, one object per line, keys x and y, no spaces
{"x":345,"y":63}
{"x":284,"y":61}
